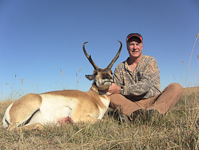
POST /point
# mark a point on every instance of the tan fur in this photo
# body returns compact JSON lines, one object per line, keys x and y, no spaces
{"x":87,"y":109}
{"x":85,"y":96}
{"x":32,"y":111}
{"x":36,"y":126}
{"x":24,"y":107}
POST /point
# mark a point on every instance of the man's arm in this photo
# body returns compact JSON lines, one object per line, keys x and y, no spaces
{"x":148,"y":77}
{"x":116,"y":86}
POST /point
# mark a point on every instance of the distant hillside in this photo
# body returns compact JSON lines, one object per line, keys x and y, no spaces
{"x":191,"y":90}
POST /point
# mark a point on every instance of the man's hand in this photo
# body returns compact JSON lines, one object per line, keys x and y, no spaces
{"x":114,"y":89}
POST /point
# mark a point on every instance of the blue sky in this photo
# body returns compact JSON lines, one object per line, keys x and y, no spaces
{"x":38,"y":39}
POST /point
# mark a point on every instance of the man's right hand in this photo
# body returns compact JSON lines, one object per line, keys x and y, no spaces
{"x":114,"y":89}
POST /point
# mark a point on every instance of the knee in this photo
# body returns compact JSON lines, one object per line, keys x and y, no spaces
{"x":176,"y":87}
{"x":115,"y":101}
{"x":114,"y":97}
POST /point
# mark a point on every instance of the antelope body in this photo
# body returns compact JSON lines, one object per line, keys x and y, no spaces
{"x":32,"y":111}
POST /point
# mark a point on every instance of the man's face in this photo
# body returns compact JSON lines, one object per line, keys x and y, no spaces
{"x":134,"y":47}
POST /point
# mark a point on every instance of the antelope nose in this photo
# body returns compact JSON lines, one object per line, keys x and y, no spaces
{"x":106,"y":76}
{"x":109,"y":77}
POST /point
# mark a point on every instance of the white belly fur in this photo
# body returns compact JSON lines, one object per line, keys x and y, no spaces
{"x":54,"y":107}
{"x":106,"y":102}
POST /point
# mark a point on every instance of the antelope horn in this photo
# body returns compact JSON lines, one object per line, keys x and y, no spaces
{"x":89,"y":57}
{"x":116,"y":57}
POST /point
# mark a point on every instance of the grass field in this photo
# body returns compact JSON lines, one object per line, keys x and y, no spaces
{"x":178,"y":129}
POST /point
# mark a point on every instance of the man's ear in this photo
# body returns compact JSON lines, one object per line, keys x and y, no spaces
{"x":90,"y":77}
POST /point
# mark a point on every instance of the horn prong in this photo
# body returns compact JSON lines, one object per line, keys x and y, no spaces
{"x":116,"y":56}
{"x":89,"y":57}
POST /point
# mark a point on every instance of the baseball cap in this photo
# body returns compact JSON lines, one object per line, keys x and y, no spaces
{"x":134,"y":34}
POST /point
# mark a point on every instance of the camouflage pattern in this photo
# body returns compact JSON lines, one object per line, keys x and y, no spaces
{"x":143,"y":82}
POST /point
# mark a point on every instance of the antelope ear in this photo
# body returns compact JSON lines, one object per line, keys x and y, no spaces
{"x":90,"y":77}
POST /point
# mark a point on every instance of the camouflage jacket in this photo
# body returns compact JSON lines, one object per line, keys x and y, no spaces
{"x":143,"y":82}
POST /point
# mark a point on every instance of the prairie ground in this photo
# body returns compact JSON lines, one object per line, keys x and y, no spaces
{"x":177,"y":129}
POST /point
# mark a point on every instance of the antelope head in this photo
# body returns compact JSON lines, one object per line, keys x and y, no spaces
{"x":102,"y":77}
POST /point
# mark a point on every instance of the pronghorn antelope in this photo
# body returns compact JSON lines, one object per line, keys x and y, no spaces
{"x":32,"y":111}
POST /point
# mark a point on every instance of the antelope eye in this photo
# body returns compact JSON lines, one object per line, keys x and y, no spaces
{"x":95,"y":73}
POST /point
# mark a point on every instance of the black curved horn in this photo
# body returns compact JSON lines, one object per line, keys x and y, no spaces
{"x":116,"y":57}
{"x":89,"y":57}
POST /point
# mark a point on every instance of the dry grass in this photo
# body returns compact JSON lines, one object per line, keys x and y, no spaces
{"x":178,"y":129}
{"x":191,"y":90}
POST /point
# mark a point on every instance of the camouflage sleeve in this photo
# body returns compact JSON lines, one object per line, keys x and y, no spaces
{"x":118,"y":76}
{"x":147,"y":79}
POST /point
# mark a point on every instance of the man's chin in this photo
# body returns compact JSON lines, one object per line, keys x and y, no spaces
{"x":136,"y":55}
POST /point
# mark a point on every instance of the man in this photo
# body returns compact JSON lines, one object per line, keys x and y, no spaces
{"x":137,"y":83}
